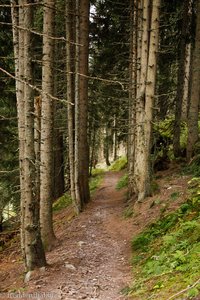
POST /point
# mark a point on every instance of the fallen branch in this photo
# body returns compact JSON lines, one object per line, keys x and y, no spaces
{"x":184,"y":290}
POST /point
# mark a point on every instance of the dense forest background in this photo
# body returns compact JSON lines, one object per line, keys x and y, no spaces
{"x":82,"y":84}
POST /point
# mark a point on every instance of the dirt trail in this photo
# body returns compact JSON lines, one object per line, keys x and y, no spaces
{"x":93,"y":258}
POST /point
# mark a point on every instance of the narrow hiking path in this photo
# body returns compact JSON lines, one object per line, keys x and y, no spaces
{"x":92,"y":260}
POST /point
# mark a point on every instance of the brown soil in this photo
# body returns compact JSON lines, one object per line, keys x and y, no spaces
{"x":92,"y":260}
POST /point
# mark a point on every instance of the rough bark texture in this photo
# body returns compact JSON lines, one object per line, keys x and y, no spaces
{"x":185,"y":105}
{"x":133,"y":72}
{"x":76,"y":114}
{"x":77,"y":58}
{"x":145,"y":78}
{"x":37,"y":138}
{"x":59,"y":184}
{"x":195,"y":92}
{"x":46,"y":169}
{"x":18,"y":43}
{"x":70,"y":66}
{"x":181,"y":80}
{"x":150,"y":87}
{"x":30,"y":227}
{"x":83,"y":101}
{"x":140,"y":172}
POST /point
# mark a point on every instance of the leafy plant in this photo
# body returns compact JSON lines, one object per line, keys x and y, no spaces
{"x":169,"y":246}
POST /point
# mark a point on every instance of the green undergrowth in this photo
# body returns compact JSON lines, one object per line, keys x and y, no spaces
{"x":128,"y":212}
{"x":62,"y":202}
{"x":96,"y":179}
{"x":123,"y":182}
{"x":166,"y":256}
{"x":65,"y":200}
{"x":119,"y":164}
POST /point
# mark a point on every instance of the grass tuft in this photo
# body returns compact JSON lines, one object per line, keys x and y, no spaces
{"x":119,"y":164}
{"x":62,"y":202}
{"x":96,"y":179}
{"x":123,"y":182}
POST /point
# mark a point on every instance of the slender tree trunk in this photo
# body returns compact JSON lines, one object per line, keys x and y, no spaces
{"x":47,"y":110}
{"x":83,"y":101}
{"x":181,"y":79}
{"x":114,"y":139}
{"x":18,"y":42}
{"x":195,"y":92}
{"x":77,"y":60}
{"x":140,"y":171}
{"x":93,"y":156}
{"x":30,"y":226}
{"x":79,"y":203}
{"x":70,"y":66}
{"x":184,"y":113}
{"x":59,"y":185}
{"x":107,"y":146}
{"x":146,"y":79}
{"x":133,"y":72}
{"x":37,"y":138}
{"x":150,"y":88}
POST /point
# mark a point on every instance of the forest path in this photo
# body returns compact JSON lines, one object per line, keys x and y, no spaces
{"x":93,"y":259}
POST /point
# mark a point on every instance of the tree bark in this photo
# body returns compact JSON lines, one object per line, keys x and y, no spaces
{"x":185,"y":105}
{"x":133,"y":55}
{"x":18,"y":43}
{"x":83,"y":101}
{"x":47,"y":112}
{"x":145,"y":82}
{"x":70,"y":67}
{"x":181,"y":80}
{"x":150,"y":87}
{"x":140,"y":171}
{"x":195,"y":92}
{"x":32,"y":248}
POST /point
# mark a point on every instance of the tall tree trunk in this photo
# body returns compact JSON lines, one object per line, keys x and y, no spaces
{"x":32,"y":248}
{"x":77,"y":32}
{"x":181,"y":80}
{"x":37,"y":138}
{"x":140,"y":171}
{"x":18,"y":42}
{"x":47,"y":110}
{"x":195,"y":92}
{"x":133,"y":72}
{"x":185,"y":105}
{"x":83,"y":176}
{"x":76,"y":114}
{"x":150,"y":87}
{"x":146,"y":79}
{"x":70,"y":66}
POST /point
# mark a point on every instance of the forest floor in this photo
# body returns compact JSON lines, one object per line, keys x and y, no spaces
{"x":93,"y":257}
